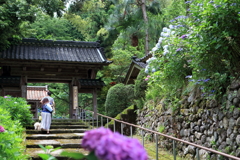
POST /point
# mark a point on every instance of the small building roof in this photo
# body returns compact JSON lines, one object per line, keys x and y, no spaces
{"x":59,"y":50}
{"x":135,"y":67}
{"x":36,"y":93}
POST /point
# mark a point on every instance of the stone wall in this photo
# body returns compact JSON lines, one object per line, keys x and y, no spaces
{"x":205,"y":122}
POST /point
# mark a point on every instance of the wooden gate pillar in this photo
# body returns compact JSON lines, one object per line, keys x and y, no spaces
{"x":24,"y":87}
{"x":70,"y":101}
{"x":95,"y":102}
{"x":73,"y":98}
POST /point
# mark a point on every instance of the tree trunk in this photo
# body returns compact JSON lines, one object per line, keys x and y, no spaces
{"x":134,"y":42}
{"x":143,"y":5}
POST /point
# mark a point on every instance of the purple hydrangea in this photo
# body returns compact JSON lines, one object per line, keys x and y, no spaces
{"x":2,"y":129}
{"x":113,"y":146}
{"x":119,"y":147}
{"x":179,"y":49}
{"x":91,"y":138}
{"x":183,"y":36}
{"x":206,"y":80}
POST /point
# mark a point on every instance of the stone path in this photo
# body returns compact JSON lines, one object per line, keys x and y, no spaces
{"x":66,"y":134}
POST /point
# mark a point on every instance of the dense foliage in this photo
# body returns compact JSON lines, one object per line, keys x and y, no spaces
{"x":198,"y":45}
{"x":18,"y":109}
{"x":47,"y":27}
{"x":15,"y":15}
{"x":140,"y":88}
{"x":118,"y":98}
{"x":14,"y":113}
{"x":200,"y":48}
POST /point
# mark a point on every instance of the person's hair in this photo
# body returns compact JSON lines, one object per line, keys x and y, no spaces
{"x":49,"y":93}
{"x":45,"y":100}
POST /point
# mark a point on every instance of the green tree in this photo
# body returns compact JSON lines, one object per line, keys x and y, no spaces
{"x":47,"y":27}
{"x":130,"y":18}
{"x":88,"y":17}
{"x":15,"y":14}
{"x":12,"y":15}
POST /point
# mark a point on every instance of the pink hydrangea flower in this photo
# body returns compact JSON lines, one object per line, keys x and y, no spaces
{"x":2,"y":129}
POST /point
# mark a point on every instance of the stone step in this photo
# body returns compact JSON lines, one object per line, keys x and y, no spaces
{"x":32,"y":131}
{"x":64,"y":133}
{"x":72,"y":120}
{"x":67,"y":123}
{"x":55,"y":136}
{"x":56,"y":126}
{"x":33,"y":152}
{"x":63,"y":143}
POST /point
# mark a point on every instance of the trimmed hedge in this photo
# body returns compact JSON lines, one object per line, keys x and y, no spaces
{"x":119,"y":97}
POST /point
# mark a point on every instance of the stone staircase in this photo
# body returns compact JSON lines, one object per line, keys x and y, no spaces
{"x":66,"y":134}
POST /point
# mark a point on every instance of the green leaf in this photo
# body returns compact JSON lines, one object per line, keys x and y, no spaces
{"x":49,"y":147}
{"x":44,"y":156}
{"x":91,"y":156}
{"x":73,"y":155}
{"x":43,"y":148}
{"x":217,"y":46}
{"x":55,"y":149}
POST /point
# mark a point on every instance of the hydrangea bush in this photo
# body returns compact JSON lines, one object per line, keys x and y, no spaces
{"x":11,"y":137}
{"x":18,"y":109}
{"x":200,"y":47}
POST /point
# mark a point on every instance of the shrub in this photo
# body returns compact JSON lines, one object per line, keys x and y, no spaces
{"x":11,"y":139}
{"x":118,"y":98}
{"x":18,"y":109}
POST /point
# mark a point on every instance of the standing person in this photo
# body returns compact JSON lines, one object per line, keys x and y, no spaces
{"x":46,"y":115}
{"x":51,"y":100}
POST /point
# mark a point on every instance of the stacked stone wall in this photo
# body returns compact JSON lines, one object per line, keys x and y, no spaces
{"x":207,"y":122}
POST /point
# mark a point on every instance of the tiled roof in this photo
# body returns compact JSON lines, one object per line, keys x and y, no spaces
{"x":36,"y":92}
{"x":49,"y":50}
{"x":141,"y":64}
{"x":146,"y":57}
{"x":10,"y":80}
{"x":91,"y":83}
{"x":136,"y":65}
